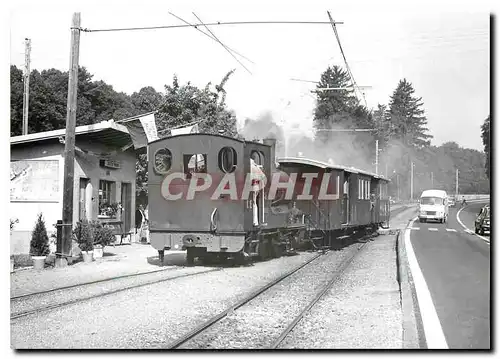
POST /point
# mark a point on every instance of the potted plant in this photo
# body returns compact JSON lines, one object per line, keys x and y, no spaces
{"x":39,"y":245}
{"x":109,"y":209}
{"x":83,"y":236}
{"x":102,"y":237}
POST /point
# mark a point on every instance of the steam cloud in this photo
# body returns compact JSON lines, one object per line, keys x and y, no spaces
{"x":338,"y":148}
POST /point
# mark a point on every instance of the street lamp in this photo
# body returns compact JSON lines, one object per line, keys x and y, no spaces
{"x":397,"y":183}
{"x":411,"y":181}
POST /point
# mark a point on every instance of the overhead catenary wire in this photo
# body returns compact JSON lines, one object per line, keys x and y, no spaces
{"x":343,"y":56}
{"x":224,"y":46}
{"x":210,"y":36}
{"x":213,"y":24}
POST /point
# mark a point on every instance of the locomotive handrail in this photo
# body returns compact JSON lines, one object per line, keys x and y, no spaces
{"x":213,"y":225}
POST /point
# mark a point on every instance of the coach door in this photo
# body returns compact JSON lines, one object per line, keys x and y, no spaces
{"x":345,"y":199}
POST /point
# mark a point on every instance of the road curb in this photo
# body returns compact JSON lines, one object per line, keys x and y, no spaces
{"x":413,"y":337}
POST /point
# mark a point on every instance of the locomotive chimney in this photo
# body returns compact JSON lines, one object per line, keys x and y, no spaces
{"x":271,"y":142}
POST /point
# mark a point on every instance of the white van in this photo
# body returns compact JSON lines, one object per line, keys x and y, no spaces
{"x":433,"y":204}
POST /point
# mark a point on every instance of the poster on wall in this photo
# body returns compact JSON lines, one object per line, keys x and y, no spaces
{"x":34,"y":180}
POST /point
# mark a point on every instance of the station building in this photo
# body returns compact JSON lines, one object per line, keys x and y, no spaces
{"x":104,"y":180}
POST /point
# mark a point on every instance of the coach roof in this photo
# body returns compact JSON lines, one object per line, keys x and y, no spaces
{"x":324,"y":165}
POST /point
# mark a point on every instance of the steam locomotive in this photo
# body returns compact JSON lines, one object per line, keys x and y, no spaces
{"x":217,"y":196}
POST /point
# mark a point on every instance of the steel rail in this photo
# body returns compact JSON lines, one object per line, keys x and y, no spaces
{"x":345,"y":264}
{"x":90,"y":283}
{"x":59,"y":305}
{"x":190,"y":335}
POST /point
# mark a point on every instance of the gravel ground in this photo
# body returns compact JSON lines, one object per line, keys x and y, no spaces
{"x":147,"y":317}
{"x":42,"y":300}
{"x":363,"y":308}
{"x":257,"y":324}
{"x":122,"y":260}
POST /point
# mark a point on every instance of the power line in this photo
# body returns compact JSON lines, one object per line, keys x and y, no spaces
{"x":343,"y":55}
{"x":214,"y":24}
{"x":224,"y":46}
{"x":204,"y":33}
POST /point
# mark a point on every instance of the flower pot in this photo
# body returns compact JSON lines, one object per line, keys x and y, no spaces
{"x":98,"y":251}
{"x":88,"y":256}
{"x":38,"y":262}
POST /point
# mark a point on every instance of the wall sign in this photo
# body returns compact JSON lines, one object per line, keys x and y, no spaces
{"x":36,"y":180}
{"x":110,"y":164}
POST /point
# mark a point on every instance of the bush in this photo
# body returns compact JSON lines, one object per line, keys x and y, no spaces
{"x":83,"y":235}
{"x":39,"y":245}
{"x":101,"y":235}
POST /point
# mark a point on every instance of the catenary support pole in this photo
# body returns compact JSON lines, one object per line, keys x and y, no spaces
{"x":64,"y":247}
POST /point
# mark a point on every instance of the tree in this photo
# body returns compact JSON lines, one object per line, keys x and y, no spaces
{"x":16,"y":100}
{"x":39,"y":245}
{"x":181,"y":105}
{"x":485,"y":134}
{"x":407,"y":117}
{"x":340,"y":109}
{"x":336,"y":106}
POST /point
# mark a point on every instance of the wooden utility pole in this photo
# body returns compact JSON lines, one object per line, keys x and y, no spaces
{"x":26,"y":98}
{"x":64,"y":245}
{"x":456,"y":184}
{"x":376,"y":157}
{"x":432,"y":179}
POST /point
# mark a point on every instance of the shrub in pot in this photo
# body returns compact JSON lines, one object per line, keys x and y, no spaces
{"x":39,"y":245}
{"x":102,"y":237}
{"x":83,"y":236}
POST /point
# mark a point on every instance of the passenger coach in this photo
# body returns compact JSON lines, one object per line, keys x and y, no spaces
{"x":213,"y":195}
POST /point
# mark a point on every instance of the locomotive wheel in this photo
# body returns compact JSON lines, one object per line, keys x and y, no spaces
{"x":190,"y":257}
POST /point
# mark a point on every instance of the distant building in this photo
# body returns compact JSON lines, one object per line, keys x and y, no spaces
{"x":105,"y":178}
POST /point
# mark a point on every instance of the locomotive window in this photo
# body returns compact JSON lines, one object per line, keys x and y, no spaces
{"x":163,"y":161}
{"x":227,"y":159}
{"x":195,"y":164}
{"x":257,"y":157}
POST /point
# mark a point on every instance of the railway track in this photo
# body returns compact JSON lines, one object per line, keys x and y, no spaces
{"x":318,"y":296}
{"x":204,"y":327}
{"x":37,"y":297}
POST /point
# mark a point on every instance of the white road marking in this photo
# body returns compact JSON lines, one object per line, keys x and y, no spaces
{"x":433,"y":229}
{"x":417,"y":228}
{"x":451,"y":230}
{"x":434,"y":335}
{"x":467,"y":229}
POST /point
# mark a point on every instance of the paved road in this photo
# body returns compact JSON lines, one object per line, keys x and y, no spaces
{"x":456,"y":267}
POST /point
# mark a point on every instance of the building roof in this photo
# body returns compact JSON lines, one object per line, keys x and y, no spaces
{"x":321,"y":164}
{"x":108,"y":132}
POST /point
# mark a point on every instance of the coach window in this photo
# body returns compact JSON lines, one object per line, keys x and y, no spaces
{"x":195,"y":164}
{"x":227,"y":159}
{"x":163,"y":160}
{"x":257,"y":157}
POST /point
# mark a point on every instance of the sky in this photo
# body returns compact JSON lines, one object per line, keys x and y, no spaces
{"x":443,"y":51}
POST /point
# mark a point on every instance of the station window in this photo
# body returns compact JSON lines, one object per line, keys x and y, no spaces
{"x":163,"y":161}
{"x":227,"y":159}
{"x":106,"y":195}
{"x":196,"y":163}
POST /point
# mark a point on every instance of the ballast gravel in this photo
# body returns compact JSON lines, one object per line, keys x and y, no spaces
{"x":361,"y":311}
{"x":261,"y":321}
{"x":147,"y":317}
{"x":86,"y":291}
